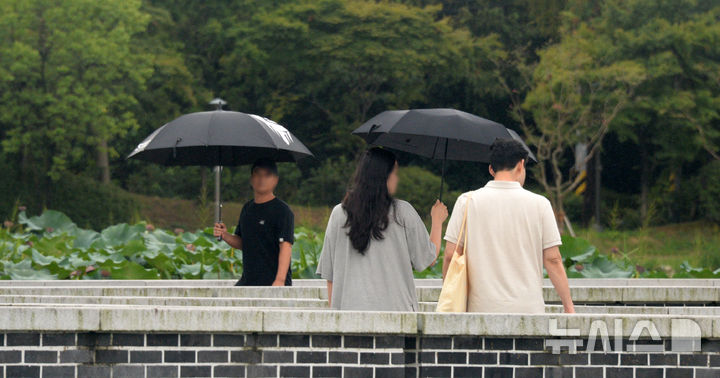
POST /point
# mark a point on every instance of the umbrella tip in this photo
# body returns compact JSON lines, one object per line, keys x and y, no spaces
{"x":218,"y":102}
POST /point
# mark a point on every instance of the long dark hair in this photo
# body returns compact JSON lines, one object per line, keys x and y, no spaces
{"x":367,"y":200}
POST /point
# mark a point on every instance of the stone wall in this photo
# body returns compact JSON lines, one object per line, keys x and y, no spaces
{"x":211,"y":329}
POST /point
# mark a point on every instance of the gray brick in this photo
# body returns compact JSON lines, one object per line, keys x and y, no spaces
{"x":529,"y":344}
{"x":295,"y":371}
{"x":604,"y":358}
{"x":326,"y":341}
{"x":467,"y":371}
{"x":93,"y":371}
{"x":435,"y":371}
{"x":212,"y":356}
{"x":58,"y":371}
{"x":223,"y":339}
{"x":111,"y":356}
{"x":493,"y":343}
{"x":92,"y":339}
{"x":537,"y":372}
{"x":497,"y":371}
{"x":41,"y":356}
{"x":436,"y":342}
{"x":22,"y":371}
{"x":648,"y":372}
{"x":326,"y":371}
{"x":452,"y":357}
{"x":261,"y":340}
{"x":195,"y":339}
{"x":312,"y":357}
{"x":274,"y":356}
{"x":558,"y":372}
{"x":246,"y":356}
{"x":261,"y":371}
{"x":706,"y":373}
{"x":58,"y":339}
{"x":633,"y":359}
{"x":376,"y":358}
{"x":678,"y":373}
{"x":128,"y":339}
{"x":664,"y":359}
{"x":483,"y":358}
{"x":24,"y":339}
{"x":575,"y":358}
{"x":544,"y":359}
{"x":617,"y":372}
{"x":389,"y":341}
{"x":357,"y":372}
{"x":358,"y":341}
{"x":131,"y":371}
{"x":195,"y":371}
{"x":294,"y":341}
{"x":10,"y":356}
{"x":389,"y":372}
{"x":179,"y":356}
{"x":81,"y":356}
{"x":343,"y":357}
{"x":467,"y":342}
{"x":229,"y":371}
{"x":162,"y":339}
{"x":145,"y":356}
{"x":693,"y":360}
{"x":154,"y":371}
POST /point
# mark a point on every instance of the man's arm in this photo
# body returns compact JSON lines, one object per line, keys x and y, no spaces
{"x":233,"y":240}
{"x":449,"y":252}
{"x":552,"y":259}
{"x":283,"y":263}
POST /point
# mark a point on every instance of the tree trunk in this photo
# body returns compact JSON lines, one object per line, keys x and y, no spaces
{"x":103,"y":162}
{"x":644,"y":180}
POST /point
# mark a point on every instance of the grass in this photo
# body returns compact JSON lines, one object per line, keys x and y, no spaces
{"x":171,"y":213}
{"x":663,"y":247}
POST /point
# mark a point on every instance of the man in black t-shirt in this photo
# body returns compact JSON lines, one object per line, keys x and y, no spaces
{"x":265,"y":231}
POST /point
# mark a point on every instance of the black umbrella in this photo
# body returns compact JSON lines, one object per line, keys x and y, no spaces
{"x":446,"y":134}
{"x":219,"y":138}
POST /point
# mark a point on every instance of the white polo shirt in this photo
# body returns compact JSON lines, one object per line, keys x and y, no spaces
{"x":508,"y":229}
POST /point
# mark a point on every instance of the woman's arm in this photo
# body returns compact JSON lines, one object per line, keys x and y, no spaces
{"x":329,"y":288}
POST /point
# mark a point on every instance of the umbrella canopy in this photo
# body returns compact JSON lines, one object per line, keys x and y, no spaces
{"x":219,"y":138}
{"x":436,"y":133}
{"x":447,"y":134}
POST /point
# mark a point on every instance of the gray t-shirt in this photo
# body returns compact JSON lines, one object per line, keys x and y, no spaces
{"x":382,"y":279}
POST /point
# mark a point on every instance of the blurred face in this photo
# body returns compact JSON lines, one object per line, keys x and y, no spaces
{"x":263,"y":180}
{"x":392,"y":180}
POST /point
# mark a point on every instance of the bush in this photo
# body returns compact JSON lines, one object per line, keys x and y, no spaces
{"x":90,"y":203}
{"x":709,"y":191}
{"x":421,"y":187}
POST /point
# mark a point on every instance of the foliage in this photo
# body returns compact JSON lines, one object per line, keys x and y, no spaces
{"x":710,"y":192}
{"x":51,"y":246}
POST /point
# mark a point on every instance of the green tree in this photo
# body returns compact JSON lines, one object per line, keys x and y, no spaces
{"x":571,"y":96}
{"x":69,"y":73}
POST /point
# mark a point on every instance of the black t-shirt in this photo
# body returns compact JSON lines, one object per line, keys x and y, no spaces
{"x":262,"y":227}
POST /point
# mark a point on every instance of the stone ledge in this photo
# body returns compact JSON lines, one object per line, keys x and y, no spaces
{"x":421,"y":282}
{"x":208,"y":319}
{"x":598,"y":294}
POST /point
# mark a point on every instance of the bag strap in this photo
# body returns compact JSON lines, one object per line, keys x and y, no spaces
{"x":463,"y":227}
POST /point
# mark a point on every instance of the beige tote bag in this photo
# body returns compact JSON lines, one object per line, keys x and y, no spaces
{"x":454,"y":293}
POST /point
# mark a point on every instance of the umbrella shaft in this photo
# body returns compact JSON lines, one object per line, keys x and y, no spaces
{"x":218,"y":204}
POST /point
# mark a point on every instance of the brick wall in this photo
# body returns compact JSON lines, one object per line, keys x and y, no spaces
{"x":334,"y":355}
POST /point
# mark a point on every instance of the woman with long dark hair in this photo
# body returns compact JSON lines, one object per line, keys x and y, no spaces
{"x":374,"y":241}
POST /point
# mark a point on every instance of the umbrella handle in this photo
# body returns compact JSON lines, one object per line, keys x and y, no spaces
{"x":218,"y":204}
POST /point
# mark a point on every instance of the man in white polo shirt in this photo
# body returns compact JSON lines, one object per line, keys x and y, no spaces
{"x":512,"y":233}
